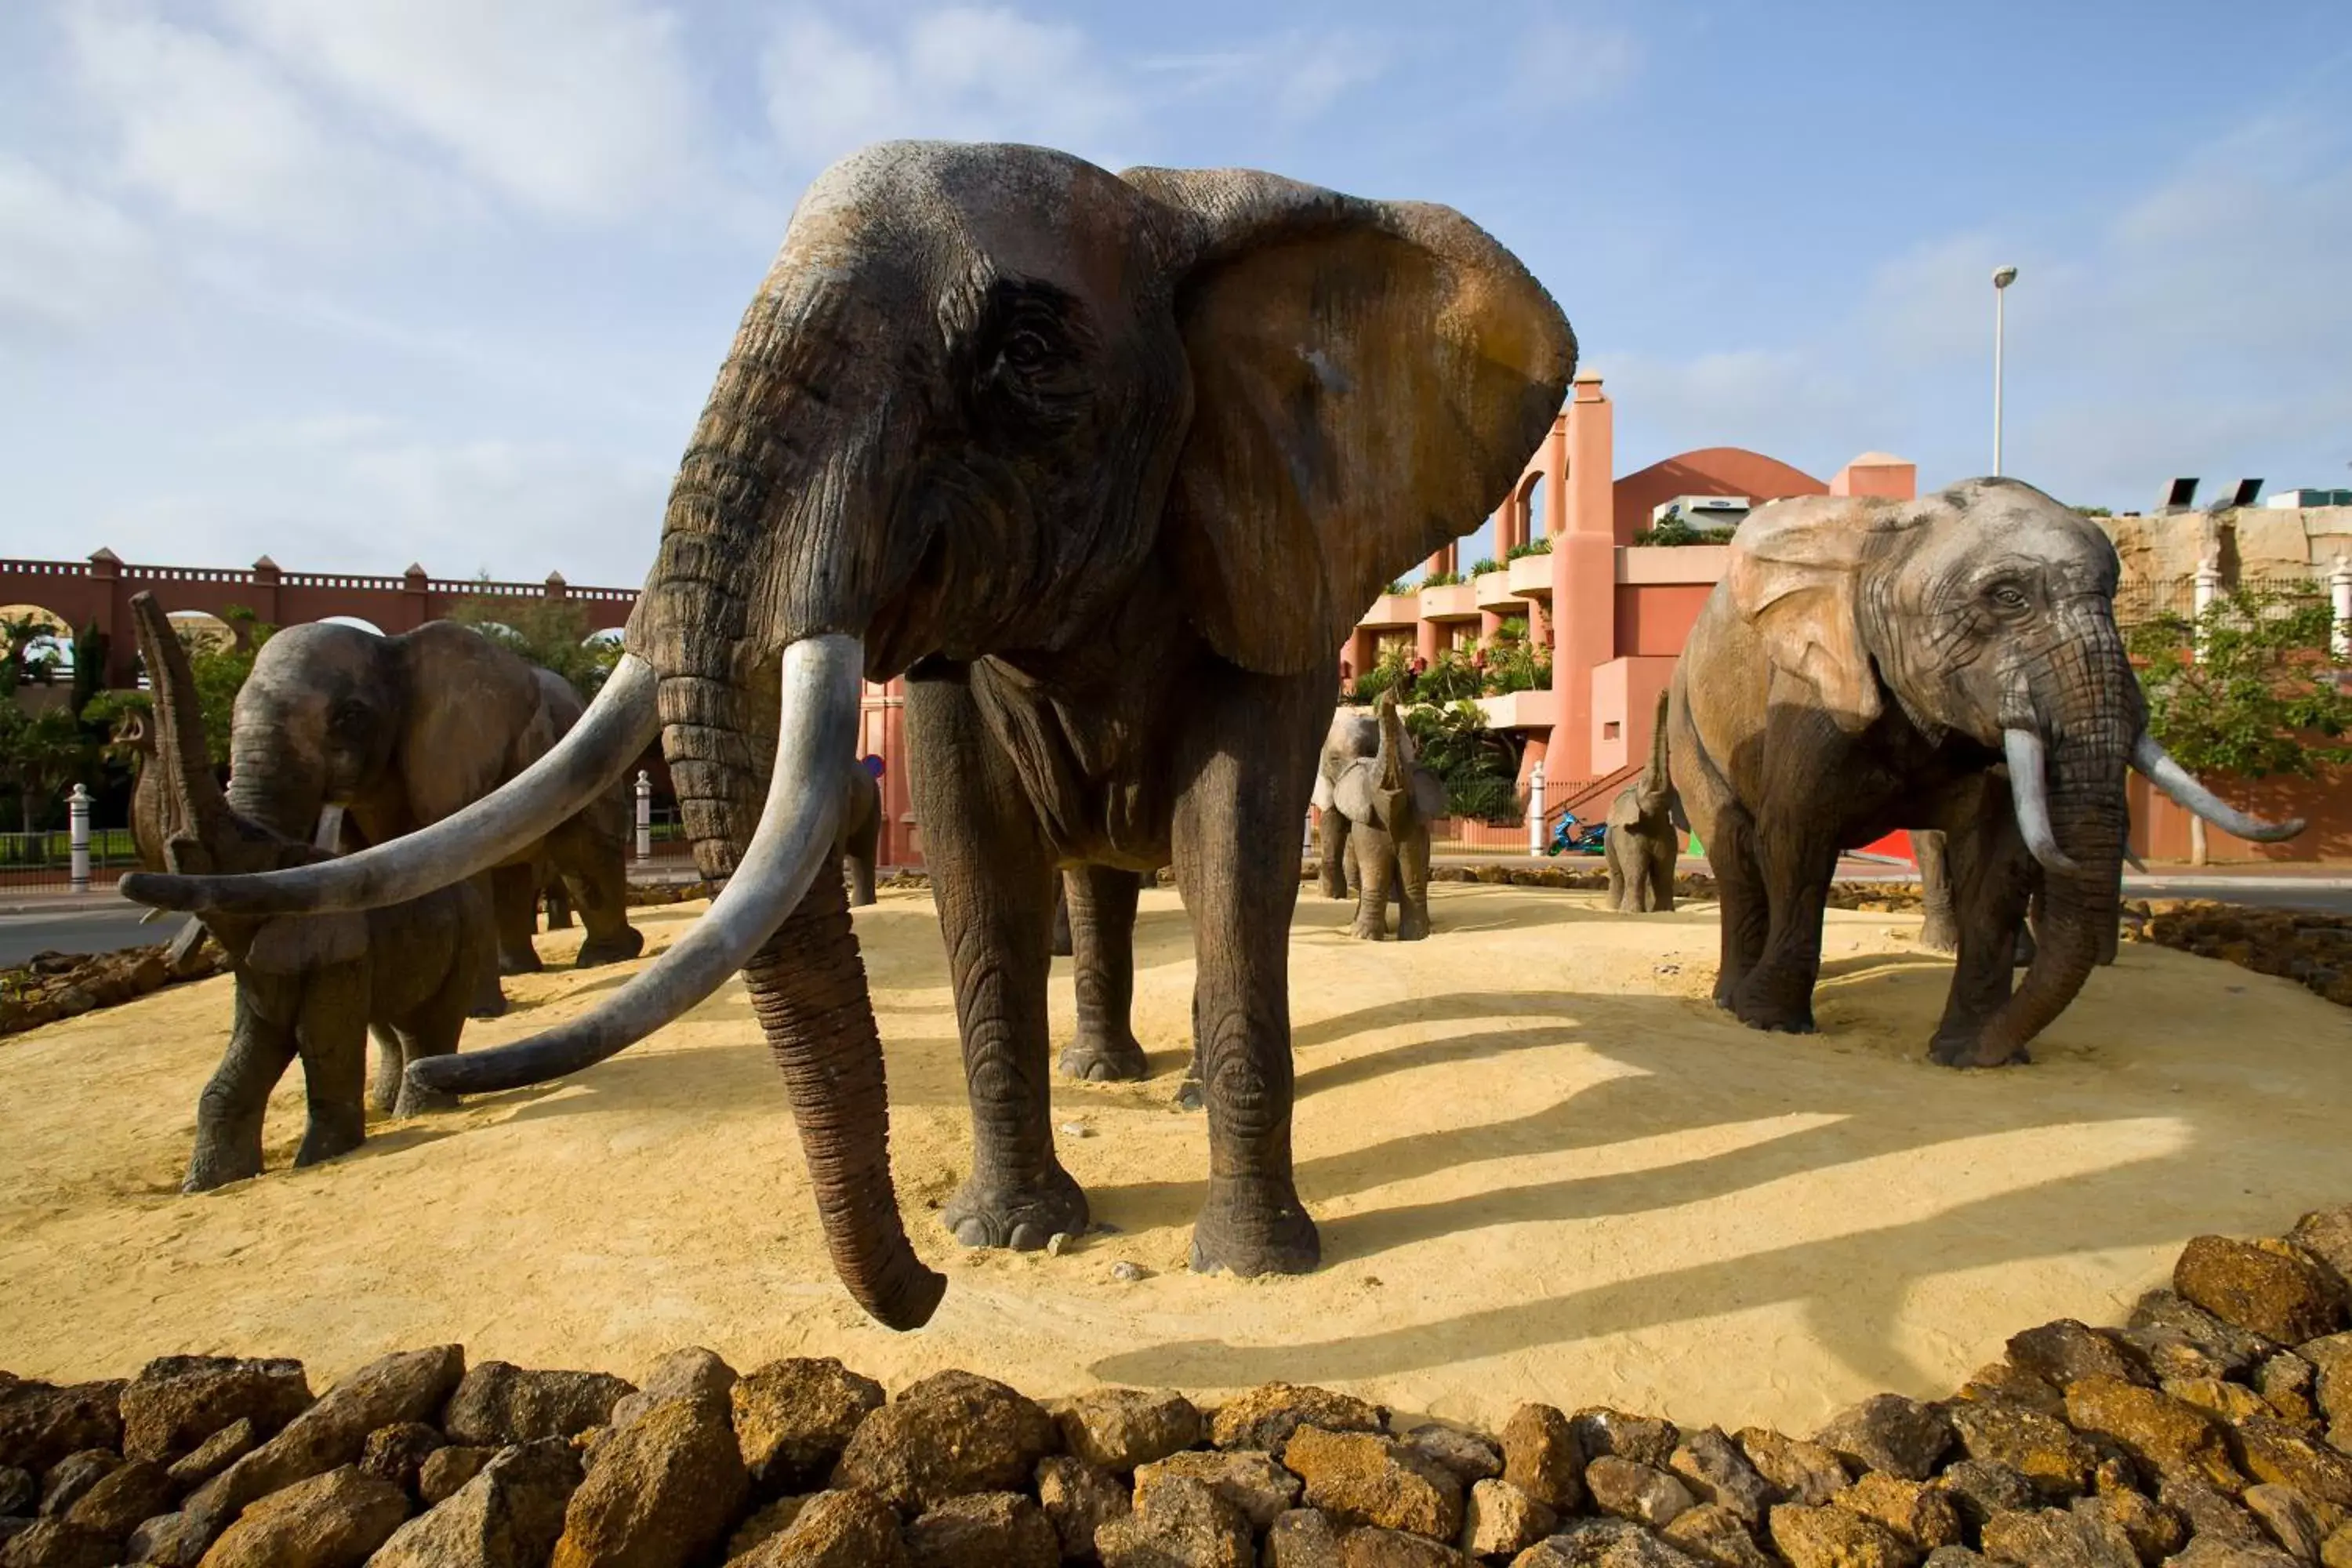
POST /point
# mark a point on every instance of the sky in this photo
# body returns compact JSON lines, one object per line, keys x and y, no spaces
{"x":362,"y":282}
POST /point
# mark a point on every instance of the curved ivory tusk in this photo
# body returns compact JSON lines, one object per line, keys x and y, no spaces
{"x":822,"y":678}
{"x":616,"y":728}
{"x":2028,"y":787}
{"x":2186,"y":792}
{"x":330,"y":829}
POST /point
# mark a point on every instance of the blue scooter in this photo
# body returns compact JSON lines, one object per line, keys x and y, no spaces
{"x":1574,"y":837}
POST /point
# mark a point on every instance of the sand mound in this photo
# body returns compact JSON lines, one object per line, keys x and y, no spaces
{"x":1545,"y":1167}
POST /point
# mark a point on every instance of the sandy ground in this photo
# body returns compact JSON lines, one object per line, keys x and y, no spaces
{"x":1545,"y":1168}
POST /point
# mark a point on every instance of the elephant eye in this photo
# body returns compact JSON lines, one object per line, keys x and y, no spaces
{"x":2007,"y":596}
{"x":1027,"y":349}
{"x":349,"y":721}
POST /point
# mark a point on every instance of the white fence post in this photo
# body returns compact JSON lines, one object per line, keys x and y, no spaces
{"x":2339,"y":589}
{"x":645,"y":814}
{"x":2207,"y":589}
{"x":1536,"y":809}
{"x":78,"y":823}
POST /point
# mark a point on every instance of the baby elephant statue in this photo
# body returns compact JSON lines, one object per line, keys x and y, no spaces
{"x":306,"y":985}
{"x":1642,"y":842}
{"x":1377,"y":811}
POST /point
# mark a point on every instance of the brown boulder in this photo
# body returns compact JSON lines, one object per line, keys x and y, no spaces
{"x":2325,"y":1236}
{"x":793,"y":1418}
{"x":2169,"y":1314}
{"x":446,"y":1470}
{"x":2274,"y":1451}
{"x":1265,"y":1417}
{"x":1368,"y":1546}
{"x":1303,"y":1538}
{"x":509,"y":1516}
{"x":659,"y":1494}
{"x":1640,"y":1492}
{"x":1498,"y":1519}
{"x":2330,"y":1360}
{"x":73,"y":1476}
{"x":2040,"y":1448}
{"x":214,"y":1453}
{"x":1181,"y":1524}
{"x":986,"y":1530}
{"x":1802,"y":1472}
{"x":2218,"y":1397}
{"x":1117,"y":1429}
{"x":2007,"y":1382}
{"x":59,"y":1544}
{"x":950,"y":1435}
{"x":176,"y":1402}
{"x":1604,"y":1543}
{"x":689,"y":1373}
{"x":1466,"y":1453}
{"x":1717,"y":1472}
{"x":2066,"y":1351}
{"x":1718,"y":1537}
{"x":1080,"y":1499}
{"x":2167,"y":1434}
{"x":764,"y":1525}
{"x":331,"y":1521}
{"x":1980,"y":1490}
{"x":1644,"y":1440}
{"x":1833,"y":1537}
{"x":1360,"y":1478}
{"x":836,"y":1530}
{"x":41,"y":1424}
{"x":1887,"y":1432}
{"x":1252,"y":1482}
{"x":1920,"y":1514}
{"x":20,"y":1493}
{"x":2288,"y":1518}
{"x":2080,"y":1537}
{"x":2272,"y":1289}
{"x":1542,"y":1457}
{"x":499,"y":1404}
{"x":130,"y":1492}
{"x":397,"y":1453}
{"x":2290,"y":1383}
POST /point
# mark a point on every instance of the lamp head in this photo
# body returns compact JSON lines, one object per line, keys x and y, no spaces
{"x":2002,"y":277}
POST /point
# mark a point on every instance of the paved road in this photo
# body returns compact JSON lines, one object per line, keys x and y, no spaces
{"x":107,"y":924}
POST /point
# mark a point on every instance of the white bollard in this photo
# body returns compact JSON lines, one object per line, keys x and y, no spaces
{"x":2207,"y":589}
{"x":645,"y":814}
{"x":1536,"y":809}
{"x":2339,"y":589}
{"x":78,"y":825}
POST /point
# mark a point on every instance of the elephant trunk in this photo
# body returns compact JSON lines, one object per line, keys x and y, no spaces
{"x":1656,"y":780}
{"x":188,"y":797}
{"x":1393,"y":761}
{"x":268,"y":786}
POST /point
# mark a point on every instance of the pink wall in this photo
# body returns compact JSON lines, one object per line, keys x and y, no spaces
{"x":1655,"y":617}
{"x":1710,"y":472}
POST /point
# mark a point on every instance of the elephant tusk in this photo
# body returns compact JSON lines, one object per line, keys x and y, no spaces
{"x":618,"y":726}
{"x":2185,"y":790}
{"x":330,"y":831}
{"x":822,"y":677}
{"x":2028,"y":787}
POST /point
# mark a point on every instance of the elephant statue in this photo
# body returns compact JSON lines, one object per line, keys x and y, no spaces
{"x":348,"y":738}
{"x":1105,"y":465}
{"x":306,"y":985}
{"x":1642,"y":844}
{"x":1376,"y":810}
{"x":1948,"y":663}
{"x":1354,"y":734}
{"x":857,"y":841}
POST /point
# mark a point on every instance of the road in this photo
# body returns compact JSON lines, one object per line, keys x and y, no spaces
{"x":105,"y":924}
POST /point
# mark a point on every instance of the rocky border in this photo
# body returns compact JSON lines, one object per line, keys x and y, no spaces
{"x":2213,"y":1431}
{"x":52,"y":985}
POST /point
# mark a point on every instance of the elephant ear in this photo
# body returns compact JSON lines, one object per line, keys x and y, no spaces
{"x":1321,"y":799}
{"x":1352,"y":794}
{"x":1428,"y":794}
{"x":1795,"y":576}
{"x":1369,"y":380}
{"x":295,"y":944}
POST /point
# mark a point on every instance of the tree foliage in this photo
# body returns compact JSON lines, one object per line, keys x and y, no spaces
{"x":553,"y":634}
{"x":220,"y":669}
{"x":1479,"y":767}
{"x":2248,"y":688}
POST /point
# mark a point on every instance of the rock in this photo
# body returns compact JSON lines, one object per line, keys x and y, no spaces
{"x":1252,"y":1483}
{"x":500,"y":1403}
{"x":2204,"y":1553}
{"x":1887,"y":1432}
{"x":2290,"y":1383}
{"x":2067,"y":1351}
{"x":396,"y":1454}
{"x":1303,"y":1538}
{"x":1265,"y":1417}
{"x":1079,"y":1500}
{"x":214,"y":1453}
{"x":1604,"y":1543}
{"x":59,"y":1544}
{"x":1182,"y":1524}
{"x":1466,"y":1453}
{"x":407,"y":1387}
{"x":2218,"y":1397}
{"x":2325,"y":1236}
{"x":836,"y":1530}
{"x":950,"y":1434}
{"x":1802,"y":1472}
{"x":2274,"y":1289}
{"x":1369,"y":1546}
{"x":2006,"y":1381}
{"x":41,"y":1424}
{"x":689,"y":1373}
{"x":2170,"y":1355}
{"x":134,"y":1490}
{"x":1498,"y":1519}
{"x":176,"y":1402}
{"x":2037,"y":1446}
{"x":1980,"y":1488}
{"x":2276,"y":1452}
{"x":2155,"y":1531}
{"x":330,"y":1520}
{"x":660,"y":1493}
{"x":1117,"y":1429}
{"x":1717,"y":1472}
{"x":1359,"y":1478}
{"x":1543,"y":1457}
{"x":1921,"y":1515}
{"x":2331,"y":1389}
{"x":1715,"y":1535}
{"x":2167,"y":1312}
{"x":764,"y":1525}
{"x":1833,"y":1537}
{"x":509,"y":1516}
{"x":174,"y":1540}
{"x":2288,"y":1518}
{"x":72,"y":1477}
{"x":2168,"y":1436}
{"x":1641,"y":1439}
{"x":20,"y":1493}
{"x":2058,"y":1537}
{"x":987,"y":1530}
{"x":793,"y":1418}
{"x":446,"y":1470}
{"x":2209,"y":1513}
{"x":1640,"y":1492}
{"x":2335,"y":1552}
{"x":1953,"y":1557}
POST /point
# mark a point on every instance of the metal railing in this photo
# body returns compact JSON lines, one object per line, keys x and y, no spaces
{"x":45,"y":861}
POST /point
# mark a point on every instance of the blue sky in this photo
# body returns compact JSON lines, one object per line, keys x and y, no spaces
{"x":358,"y":282}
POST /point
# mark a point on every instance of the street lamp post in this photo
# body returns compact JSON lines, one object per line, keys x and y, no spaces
{"x":2002,"y":277}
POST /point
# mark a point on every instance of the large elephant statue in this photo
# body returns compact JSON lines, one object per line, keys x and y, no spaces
{"x":306,"y":985}
{"x":1642,"y":844}
{"x":1106,"y":466}
{"x":1949,"y":663}
{"x":348,"y":738}
{"x":1377,"y":807}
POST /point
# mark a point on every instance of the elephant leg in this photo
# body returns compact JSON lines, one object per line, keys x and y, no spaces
{"x":1623,"y":897}
{"x":1233,"y":838}
{"x":591,"y":867}
{"x":1375,"y":863}
{"x":391,"y":1057}
{"x":1777,"y":993}
{"x":1062,"y":943}
{"x":994,"y":878}
{"x":1101,"y":904}
{"x":433,"y":1030}
{"x":332,"y":1039}
{"x":1747,"y":909}
{"x":1413,"y":882}
{"x":1189,"y":1094}
{"x":558,"y":900}
{"x":1331,"y":870}
{"x":230,"y":1110}
{"x":488,"y":1001}
{"x":1661,"y":857}
{"x":858,"y":857}
{"x":1941,"y":934}
{"x":1992,"y":884}
{"x":514,"y":894}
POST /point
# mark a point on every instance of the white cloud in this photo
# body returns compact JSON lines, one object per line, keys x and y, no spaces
{"x":1573,"y":62}
{"x":68,"y":259}
{"x":963,"y":73}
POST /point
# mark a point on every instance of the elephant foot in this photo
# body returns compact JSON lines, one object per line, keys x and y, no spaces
{"x":1104,"y":1060}
{"x":1412,"y":925}
{"x":1333,"y":888}
{"x":487,"y":1008}
{"x":416,"y":1101}
{"x":1968,"y":1048}
{"x":618,"y":948}
{"x":1022,"y":1219}
{"x":1373,"y":929}
{"x":1773,"y":1014}
{"x":1253,"y":1227}
{"x":210,"y":1168}
{"x":524,"y":961}
{"x":325,"y":1139}
{"x":1940,"y":934}
{"x":1191,"y":1094}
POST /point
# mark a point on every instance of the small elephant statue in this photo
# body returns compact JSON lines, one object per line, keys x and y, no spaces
{"x":1379,"y":808}
{"x":306,"y":985}
{"x":1643,"y":843}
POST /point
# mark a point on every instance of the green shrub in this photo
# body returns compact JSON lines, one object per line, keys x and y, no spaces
{"x":1532,"y":547}
{"x":1441,"y":580}
{"x":1481,"y":567}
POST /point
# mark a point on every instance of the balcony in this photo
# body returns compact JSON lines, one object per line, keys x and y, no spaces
{"x":1392,"y":612}
{"x":1673,"y":564}
{"x":1530,"y":577}
{"x":1520,"y":711}
{"x":1458,"y":601}
{"x":1493,"y":591}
